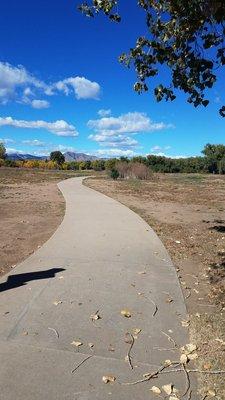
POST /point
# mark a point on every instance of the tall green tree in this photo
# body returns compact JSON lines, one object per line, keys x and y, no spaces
{"x":2,"y":151}
{"x":185,"y":36}
{"x":58,"y":157}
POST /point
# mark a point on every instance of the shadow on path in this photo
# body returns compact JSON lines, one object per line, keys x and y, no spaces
{"x":14,"y":281}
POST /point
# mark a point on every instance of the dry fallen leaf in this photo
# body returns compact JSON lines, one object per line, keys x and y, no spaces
{"x":142,"y":272}
{"x":168,"y":388}
{"x":167,"y":362}
{"x":77,"y":344}
{"x":111,"y":348}
{"x":136,"y":331}
{"x":183,"y":359}
{"x":57,"y":302}
{"x":192,"y":356}
{"x":173,"y":397}
{"x":155,"y":389}
{"x":211,"y":393}
{"x":169,"y":300}
{"x":90,"y":345}
{"x":125,"y":313}
{"x":108,"y":378}
{"x":185,"y":323}
{"x":191,"y":347}
{"x":95,"y":317}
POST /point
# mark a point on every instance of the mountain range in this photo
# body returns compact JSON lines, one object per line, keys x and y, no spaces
{"x":69,"y":156}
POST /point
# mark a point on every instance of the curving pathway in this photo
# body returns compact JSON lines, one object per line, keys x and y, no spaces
{"x":103,"y":258}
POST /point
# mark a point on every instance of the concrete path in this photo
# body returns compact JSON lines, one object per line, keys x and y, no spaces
{"x":103,"y":258}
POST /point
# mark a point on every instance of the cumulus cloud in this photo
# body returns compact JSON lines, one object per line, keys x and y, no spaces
{"x":39,"y":104}
{"x":104,"y":113}
{"x":59,"y":128}
{"x":82,"y":87}
{"x":132,"y":122}
{"x":115,"y":131}
{"x":16,"y":83}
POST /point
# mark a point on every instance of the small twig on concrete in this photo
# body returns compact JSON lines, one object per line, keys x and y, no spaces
{"x":55,"y":331}
{"x":128,"y":357}
{"x":148,"y":376}
{"x":170,"y":338}
{"x":156,"y":307}
{"x":82,"y":362}
{"x":188,"y":384}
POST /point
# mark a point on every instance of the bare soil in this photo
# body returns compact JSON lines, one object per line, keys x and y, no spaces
{"x":31,"y":209}
{"x":188,"y":214}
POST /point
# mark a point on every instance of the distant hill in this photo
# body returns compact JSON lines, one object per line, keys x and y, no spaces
{"x":69,"y":156}
{"x":21,"y":157}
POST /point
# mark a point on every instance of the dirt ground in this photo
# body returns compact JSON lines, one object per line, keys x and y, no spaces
{"x":188,"y":214}
{"x":31,"y":208}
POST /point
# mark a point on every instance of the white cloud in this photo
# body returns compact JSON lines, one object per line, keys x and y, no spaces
{"x":159,"y":149}
{"x":59,"y":128}
{"x":63,"y":148}
{"x":82,"y":87}
{"x":113,"y":131}
{"x":39,"y":104}
{"x":34,"y":142}
{"x":114,"y":153}
{"x":104,"y":113}
{"x":114,"y":141}
{"x":10,"y":150}
{"x":17,"y":84}
{"x":6,"y":140}
{"x":14,"y":80}
{"x":132,"y":122}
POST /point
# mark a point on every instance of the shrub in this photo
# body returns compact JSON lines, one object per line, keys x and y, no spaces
{"x":136,"y":170}
{"x":114,"y":174}
{"x":123,"y":168}
{"x":139,"y":171}
{"x":222,"y":166}
{"x":9,"y":163}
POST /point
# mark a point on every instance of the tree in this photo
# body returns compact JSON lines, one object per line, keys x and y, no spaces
{"x":214,"y":151}
{"x":58,"y":157}
{"x":2,"y":151}
{"x":187,"y":37}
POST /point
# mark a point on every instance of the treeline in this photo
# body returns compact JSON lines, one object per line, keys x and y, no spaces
{"x":212,"y":161}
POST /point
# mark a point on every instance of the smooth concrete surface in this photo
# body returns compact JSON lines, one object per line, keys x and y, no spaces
{"x":105,"y":258}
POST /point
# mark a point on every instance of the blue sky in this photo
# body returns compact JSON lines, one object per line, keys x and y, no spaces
{"x":61,"y":87}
